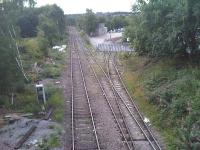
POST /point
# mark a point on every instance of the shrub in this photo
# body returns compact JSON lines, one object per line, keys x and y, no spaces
{"x":51,"y":71}
{"x":56,"y":100}
{"x":52,"y":142}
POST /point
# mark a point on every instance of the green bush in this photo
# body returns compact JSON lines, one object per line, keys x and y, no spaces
{"x":27,"y":101}
{"x":24,"y":101}
{"x":52,"y":142}
{"x":4,"y":101}
{"x":157,"y":29}
{"x":51,"y":71}
{"x":58,"y":114}
{"x":32,"y":47}
{"x":55,"y":99}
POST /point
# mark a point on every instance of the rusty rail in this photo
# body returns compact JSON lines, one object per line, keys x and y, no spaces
{"x":25,"y":137}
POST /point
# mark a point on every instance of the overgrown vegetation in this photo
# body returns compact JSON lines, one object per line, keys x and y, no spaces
{"x":52,"y":142}
{"x":27,"y":35}
{"x":165,"y":28}
{"x":164,"y":75}
{"x":168,"y":93}
{"x":89,"y":21}
{"x":56,"y":101}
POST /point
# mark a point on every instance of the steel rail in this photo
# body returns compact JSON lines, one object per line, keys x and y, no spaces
{"x":129,"y":132}
{"x":112,"y":110}
{"x":133,"y":116}
{"x":88,"y":99}
{"x":72,"y":100}
{"x":133,"y":103}
{"x":110,"y":106}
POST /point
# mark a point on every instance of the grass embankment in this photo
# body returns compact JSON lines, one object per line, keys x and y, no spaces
{"x":167,"y":92}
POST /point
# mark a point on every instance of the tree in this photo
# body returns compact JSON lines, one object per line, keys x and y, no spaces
{"x":52,"y":22}
{"x":191,"y":25}
{"x":118,"y":22}
{"x":90,"y":22}
{"x":71,"y":20}
{"x":11,"y":73}
{"x":166,"y":28}
{"x":28,"y":23}
{"x":50,"y":30}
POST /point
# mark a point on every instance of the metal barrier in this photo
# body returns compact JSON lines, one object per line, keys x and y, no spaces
{"x":113,"y":48}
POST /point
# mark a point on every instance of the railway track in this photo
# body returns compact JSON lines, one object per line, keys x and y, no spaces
{"x":117,"y":114}
{"x":135,"y":134}
{"x":84,"y":134}
{"x":128,"y":102}
{"x":114,"y":78}
{"x":115,"y":110}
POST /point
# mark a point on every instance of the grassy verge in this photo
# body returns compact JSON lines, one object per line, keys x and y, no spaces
{"x":167,"y":92}
{"x":56,"y":100}
{"x":149,"y":110}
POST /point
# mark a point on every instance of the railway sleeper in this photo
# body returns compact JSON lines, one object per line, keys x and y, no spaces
{"x":86,"y":145}
{"x":83,"y":120}
{"x":86,"y":137}
{"x":84,"y":130}
{"x":86,"y":124}
{"x":85,"y":115}
{"x":140,"y":145}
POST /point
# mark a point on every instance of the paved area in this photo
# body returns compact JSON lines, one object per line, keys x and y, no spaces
{"x":104,"y":38}
{"x":110,"y":42}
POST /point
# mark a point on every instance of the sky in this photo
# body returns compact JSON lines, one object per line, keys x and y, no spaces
{"x":80,"y":6}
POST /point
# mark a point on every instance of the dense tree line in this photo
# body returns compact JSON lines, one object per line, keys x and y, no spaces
{"x":116,"y":22}
{"x":166,"y":27}
{"x":25,"y":31}
{"x":89,"y":21}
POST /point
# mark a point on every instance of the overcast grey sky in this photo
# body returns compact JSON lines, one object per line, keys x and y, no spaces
{"x":79,"y":6}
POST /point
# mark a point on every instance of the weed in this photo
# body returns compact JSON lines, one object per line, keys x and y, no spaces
{"x":55,"y":99}
{"x":51,"y":71}
{"x":52,"y":142}
{"x":167,"y":95}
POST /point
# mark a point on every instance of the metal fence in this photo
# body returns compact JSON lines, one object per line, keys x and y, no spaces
{"x":113,"y":47}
